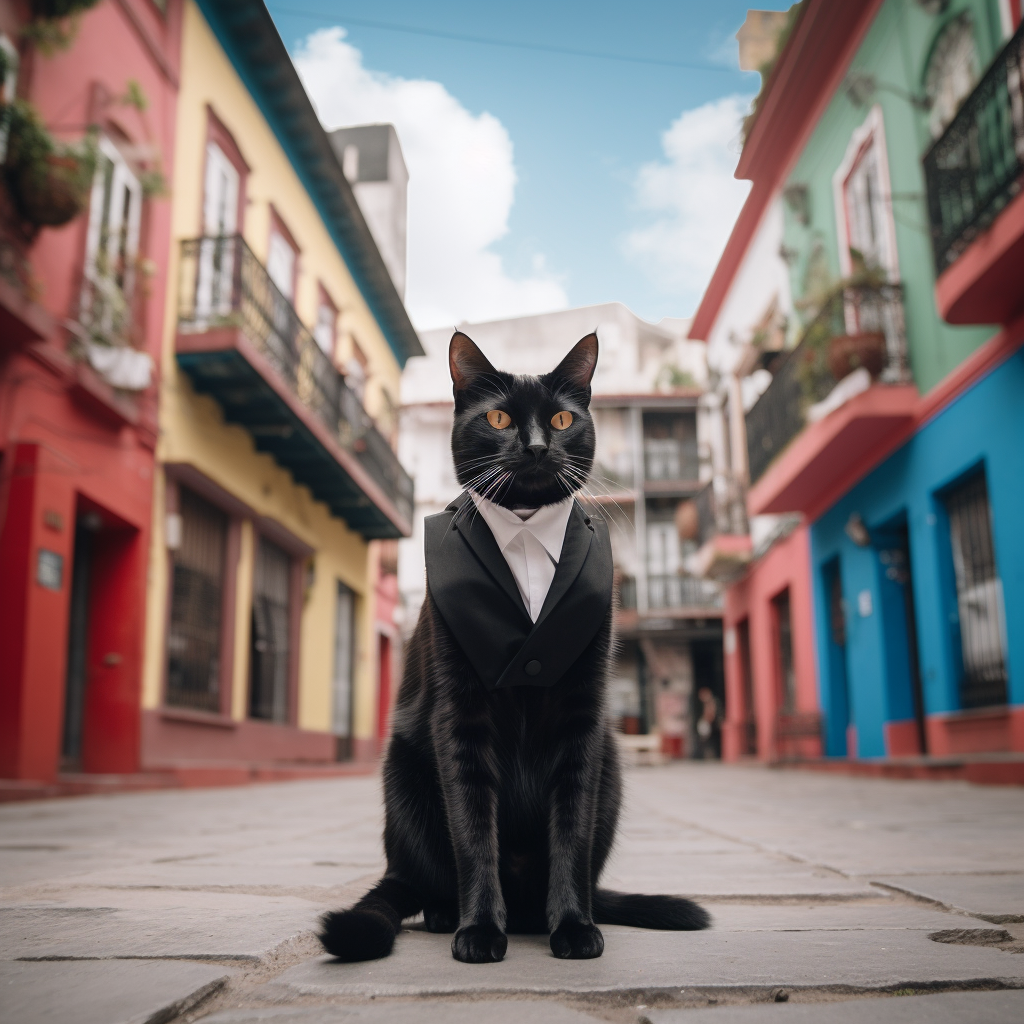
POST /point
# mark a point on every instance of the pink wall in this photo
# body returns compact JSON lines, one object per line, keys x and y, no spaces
{"x":787,"y":564}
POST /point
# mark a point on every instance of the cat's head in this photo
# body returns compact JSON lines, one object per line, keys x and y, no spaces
{"x":522,"y":441}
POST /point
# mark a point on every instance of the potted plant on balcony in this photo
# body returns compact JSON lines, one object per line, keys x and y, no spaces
{"x":54,"y":23}
{"x":830,"y":350}
{"x":49,"y":181}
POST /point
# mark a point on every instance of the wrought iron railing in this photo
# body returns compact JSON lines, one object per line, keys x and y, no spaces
{"x":223,"y":283}
{"x":682,"y":592}
{"x":977,"y":165}
{"x":803,"y":377}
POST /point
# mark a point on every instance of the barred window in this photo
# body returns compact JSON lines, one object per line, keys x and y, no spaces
{"x":193,"y":670}
{"x":271,"y":633}
{"x":979,"y":595}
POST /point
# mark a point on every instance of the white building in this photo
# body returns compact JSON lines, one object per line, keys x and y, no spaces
{"x":652,"y":458}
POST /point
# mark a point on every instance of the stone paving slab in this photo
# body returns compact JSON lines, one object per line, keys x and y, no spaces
{"x":853,"y":915}
{"x":103,"y":991}
{"x":201,"y":926}
{"x":511,"y":1011}
{"x":422,"y":964}
{"x":998,"y":898}
{"x":1005,"y":1007}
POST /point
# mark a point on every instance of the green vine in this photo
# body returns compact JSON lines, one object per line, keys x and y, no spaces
{"x":49,"y":180}
{"x":55,"y":23}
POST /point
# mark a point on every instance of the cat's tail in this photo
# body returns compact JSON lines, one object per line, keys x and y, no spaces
{"x":367,"y":931}
{"x":670,"y":913}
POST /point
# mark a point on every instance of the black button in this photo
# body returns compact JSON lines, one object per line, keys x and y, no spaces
{"x":532,"y":668}
{"x":587,"y":520}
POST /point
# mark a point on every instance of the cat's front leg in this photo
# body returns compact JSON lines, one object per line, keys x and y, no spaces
{"x":469,"y":783}
{"x":574,"y":936}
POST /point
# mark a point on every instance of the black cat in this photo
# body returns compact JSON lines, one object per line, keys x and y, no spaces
{"x":502,"y":783}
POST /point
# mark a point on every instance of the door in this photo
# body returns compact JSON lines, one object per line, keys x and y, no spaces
{"x":384,"y":689}
{"x":838,"y":737}
{"x":78,"y":647}
{"x":344,"y":665}
{"x":220,"y":223}
{"x":270,"y":654}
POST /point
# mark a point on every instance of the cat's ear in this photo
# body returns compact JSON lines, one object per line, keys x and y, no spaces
{"x":577,"y":368}
{"x":466,"y":362}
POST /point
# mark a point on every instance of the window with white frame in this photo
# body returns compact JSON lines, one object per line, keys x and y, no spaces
{"x":281,"y":260}
{"x":863,"y":199}
{"x":326,"y":321}
{"x":220,"y":221}
{"x":112,"y":243}
{"x":952,"y":72}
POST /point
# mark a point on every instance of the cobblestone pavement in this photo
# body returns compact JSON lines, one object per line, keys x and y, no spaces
{"x":834,"y":900}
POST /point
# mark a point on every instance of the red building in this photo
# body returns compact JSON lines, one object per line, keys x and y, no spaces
{"x":81,"y":317}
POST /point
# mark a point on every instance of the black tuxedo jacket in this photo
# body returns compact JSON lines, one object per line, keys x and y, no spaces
{"x":477,"y":596}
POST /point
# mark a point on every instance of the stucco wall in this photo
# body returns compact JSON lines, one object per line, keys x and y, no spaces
{"x":895,"y":51}
{"x":193,"y":429}
{"x":984,"y":427}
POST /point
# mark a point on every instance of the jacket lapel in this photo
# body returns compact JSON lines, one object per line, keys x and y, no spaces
{"x":578,"y":536}
{"x":477,"y":534}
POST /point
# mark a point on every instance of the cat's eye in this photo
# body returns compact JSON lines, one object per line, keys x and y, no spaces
{"x":561,"y":420}
{"x":498,"y":419}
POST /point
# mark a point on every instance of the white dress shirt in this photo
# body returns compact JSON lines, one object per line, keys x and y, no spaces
{"x":531,"y":541}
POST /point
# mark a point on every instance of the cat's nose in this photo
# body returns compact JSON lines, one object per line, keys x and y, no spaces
{"x":539,"y":450}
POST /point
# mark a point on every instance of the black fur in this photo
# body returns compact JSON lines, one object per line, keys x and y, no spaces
{"x":501,"y":805}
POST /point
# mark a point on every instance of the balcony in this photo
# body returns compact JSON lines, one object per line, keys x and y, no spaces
{"x":723,"y":537}
{"x":671,"y":593}
{"x":240,"y":341}
{"x":974,"y":172}
{"x":815,"y":430}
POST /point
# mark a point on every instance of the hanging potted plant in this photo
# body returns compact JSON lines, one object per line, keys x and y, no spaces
{"x":864,"y":348}
{"x":49,"y":181}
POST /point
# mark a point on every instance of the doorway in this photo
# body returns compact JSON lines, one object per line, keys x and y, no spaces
{"x":384,"y":688}
{"x":901,"y":622}
{"x":837,"y":736}
{"x":78,"y":643}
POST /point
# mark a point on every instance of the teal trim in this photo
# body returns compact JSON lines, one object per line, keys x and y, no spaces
{"x":248,"y":36}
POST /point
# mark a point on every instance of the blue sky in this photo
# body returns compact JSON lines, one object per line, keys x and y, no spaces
{"x":539,"y":178}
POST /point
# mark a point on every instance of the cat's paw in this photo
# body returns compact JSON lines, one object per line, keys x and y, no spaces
{"x":479,"y":944}
{"x":441,"y":919}
{"x":574,"y":941}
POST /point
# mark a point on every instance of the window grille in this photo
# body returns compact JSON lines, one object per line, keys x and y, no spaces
{"x":271,"y":629}
{"x":193,"y":670}
{"x":979,"y":595}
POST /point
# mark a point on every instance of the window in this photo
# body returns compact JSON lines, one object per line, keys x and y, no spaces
{"x":8,"y":85}
{"x":220,"y":221}
{"x":344,"y":667}
{"x":112,"y":243}
{"x":282,"y":257}
{"x":979,"y":595}
{"x":270,"y":653}
{"x":326,"y":323}
{"x":952,"y":72}
{"x":193,"y":673}
{"x":670,"y":446}
{"x":864,"y":220}
{"x":357,"y":371}
{"x":784,"y":652}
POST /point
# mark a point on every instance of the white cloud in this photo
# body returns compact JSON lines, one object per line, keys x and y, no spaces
{"x":461,"y":186}
{"x":693,"y":196}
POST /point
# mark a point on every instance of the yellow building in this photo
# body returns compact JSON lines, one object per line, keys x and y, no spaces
{"x":274,"y":480}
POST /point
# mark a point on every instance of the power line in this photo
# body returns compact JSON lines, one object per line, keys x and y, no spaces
{"x":485,"y":41}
